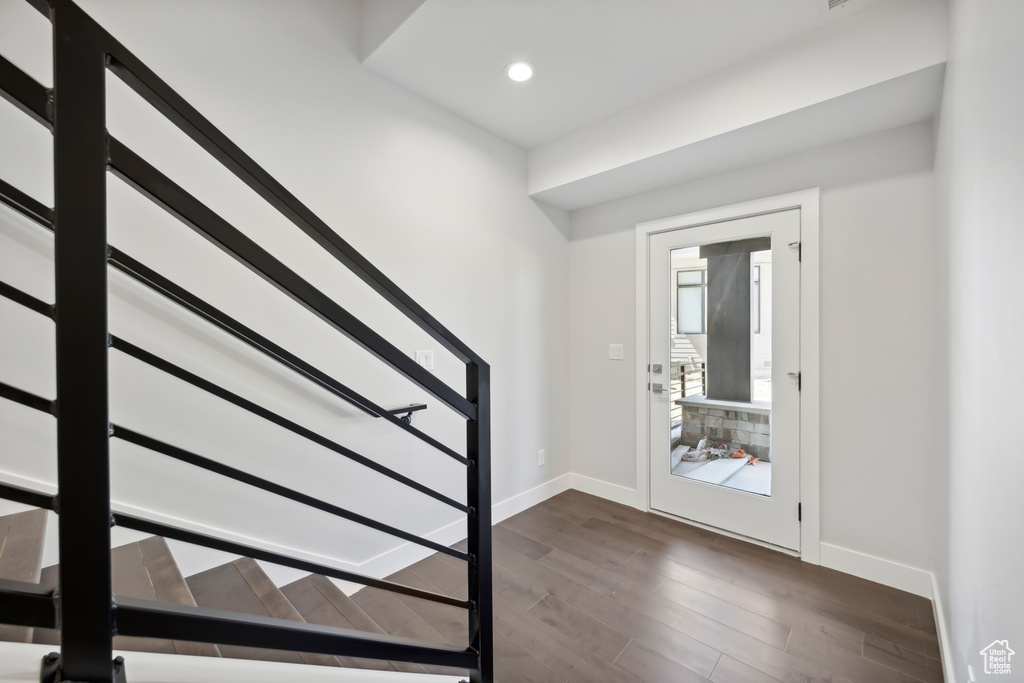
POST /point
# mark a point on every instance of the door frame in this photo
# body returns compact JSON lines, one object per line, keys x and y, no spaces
{"x":808,"y":203}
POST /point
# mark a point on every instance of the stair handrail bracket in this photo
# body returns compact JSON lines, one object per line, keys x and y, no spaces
{"x":85,"y":609}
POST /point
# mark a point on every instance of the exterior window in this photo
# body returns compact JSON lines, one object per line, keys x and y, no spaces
{"x":755,"y":300}
{"x":692,"y":302}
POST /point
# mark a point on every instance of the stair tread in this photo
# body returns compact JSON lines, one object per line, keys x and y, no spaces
{"x":319,"y":601}
{"x":451,"y":622}
{"x":21,"y":558}
{"x":169,"y":586}
{"x":241,"y":586}
{"x":144,"y":570}
{"x":398,"y":619}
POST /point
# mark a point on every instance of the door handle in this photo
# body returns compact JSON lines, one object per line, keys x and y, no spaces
{"x":657,"y":388}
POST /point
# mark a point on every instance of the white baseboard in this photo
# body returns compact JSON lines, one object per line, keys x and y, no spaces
{"x":887,"y":572}
{"x":941,"y":625}
{"x":389,"y":562}
{"x":603,"y":489}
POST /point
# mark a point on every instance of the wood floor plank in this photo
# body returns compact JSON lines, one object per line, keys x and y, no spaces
{"x":521,"y":544}
{"x":650,"y":667}
{"x":598,"y":549}
{"x":844,"y":663}
{"x":795,"y":617}
{"x":730,"y":670}
{"x":766,"y":630}
{"x":552,"y":647}
{"x":871,"y":624}
{"x":907,"y":661}
{"x":519,"y":666}
{"x":523,"y":595}
{"x":712,"y":635}
{"x":588,"y":575}
{"x":884,"y":601}
{"x":596,"y":638}
{"x":631,"y":517}
{"x":630,"y":611}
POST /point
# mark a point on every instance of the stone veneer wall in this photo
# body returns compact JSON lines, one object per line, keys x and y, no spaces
{"x":750,"y":431}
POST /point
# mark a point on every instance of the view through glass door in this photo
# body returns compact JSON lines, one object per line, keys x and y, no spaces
{"x":724,"y":408}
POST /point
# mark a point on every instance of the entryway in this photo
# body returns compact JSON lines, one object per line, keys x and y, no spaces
{"x":721,"y":403}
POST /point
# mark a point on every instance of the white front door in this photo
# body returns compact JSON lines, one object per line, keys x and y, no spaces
{"x":724,"y":400}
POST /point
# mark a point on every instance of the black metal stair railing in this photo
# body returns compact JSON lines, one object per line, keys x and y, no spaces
{"x":86,"y":610}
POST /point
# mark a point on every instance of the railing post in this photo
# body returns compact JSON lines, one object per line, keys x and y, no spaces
{"x":478,"y":447}
{"x":83,"y":462}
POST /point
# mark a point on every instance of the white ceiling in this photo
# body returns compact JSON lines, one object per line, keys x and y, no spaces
{"x":593,"y":58}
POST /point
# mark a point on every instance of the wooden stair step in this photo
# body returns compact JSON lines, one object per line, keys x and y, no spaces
{"x":241,"y":586}
{"x":169,"y":586}
{"x":21,"y":558}
{"x":398,"y":619}
{"x":321,"y":602}
{"x":144,"y":570}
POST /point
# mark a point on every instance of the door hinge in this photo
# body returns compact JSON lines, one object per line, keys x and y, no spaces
{"x":799,"y":379}
{"x":799,"y":512}
{"x":799,"y":250}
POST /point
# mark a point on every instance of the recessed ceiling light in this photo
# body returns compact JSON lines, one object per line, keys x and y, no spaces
{"x":519,"y":71}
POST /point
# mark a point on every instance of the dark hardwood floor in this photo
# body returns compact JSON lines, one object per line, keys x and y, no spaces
{"x":588,"y":591}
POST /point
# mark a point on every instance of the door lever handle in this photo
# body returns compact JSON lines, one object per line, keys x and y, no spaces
{"x":657,"y":388}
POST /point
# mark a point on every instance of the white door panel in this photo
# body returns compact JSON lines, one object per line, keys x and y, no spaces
{"x":719,"y":493}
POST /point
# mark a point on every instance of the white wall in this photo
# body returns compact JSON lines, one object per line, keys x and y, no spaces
{"x":438,"y":204}
{"x":877,"y":313}
{"x":980,"y":176}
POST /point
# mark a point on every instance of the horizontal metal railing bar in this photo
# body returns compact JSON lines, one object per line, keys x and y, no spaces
{"x":27,"y":398}
{"x":154,"y":90}
{"x":139,"y":173}
{"x":151,"y":619}
{"x":26,"y":300}
{"x":27,"y":604}
{"x":158,"y":283}
{"x":270,"y":487}
{"x":27,"y":497}
{"x":25,"y":92}
{"x":244,"y":403}
{"x":195,"y":538}
{"x":26,"y":205}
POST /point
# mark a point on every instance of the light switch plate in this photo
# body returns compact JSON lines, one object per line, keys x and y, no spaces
{"x":615,"y":351}
{"x":425,"y":359}
{"x":540,"y":457}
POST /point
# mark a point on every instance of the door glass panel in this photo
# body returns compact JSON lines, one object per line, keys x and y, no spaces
{"x":721,"y":357}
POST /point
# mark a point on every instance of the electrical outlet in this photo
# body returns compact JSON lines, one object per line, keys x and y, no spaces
{"x":540,"y":457}
{"x":615,"y":351}
{"x":425,"y":359}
